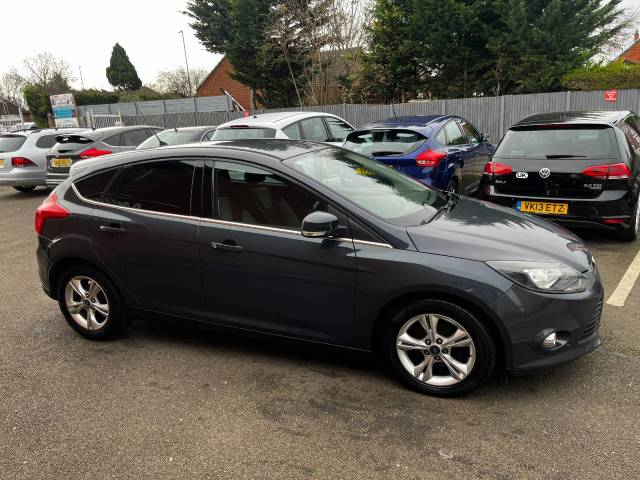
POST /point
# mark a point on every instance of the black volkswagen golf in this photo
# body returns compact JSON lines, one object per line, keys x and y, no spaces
{"x":317,"y":243}
{"x":580,"y":169}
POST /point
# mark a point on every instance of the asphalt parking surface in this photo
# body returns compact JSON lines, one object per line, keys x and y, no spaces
{"x":173,"y":402}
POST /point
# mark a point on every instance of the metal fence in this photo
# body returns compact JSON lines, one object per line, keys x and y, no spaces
{"x":493,"y":115}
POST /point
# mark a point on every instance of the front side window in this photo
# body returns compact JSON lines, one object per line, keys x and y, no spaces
{"x":470,"y":132}
{"x":338,"y":129}
{"x":159,"y":186}
{"x":454,"y":135}
{"x":371,"y":185}
{"x":313,"y":129}
{"x":250,"y":195}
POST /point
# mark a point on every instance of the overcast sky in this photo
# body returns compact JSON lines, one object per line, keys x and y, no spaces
{"x":83,"y":32}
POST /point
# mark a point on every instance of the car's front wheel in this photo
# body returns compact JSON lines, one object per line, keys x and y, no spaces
{"x":91,"y":304}
{"x":24,"y":189}
{"x":438,"y":348}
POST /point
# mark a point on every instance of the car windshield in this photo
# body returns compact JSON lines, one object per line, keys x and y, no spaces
{"x":381,"y":143}
{"x":11,"y":143}
{"x":371,"y":185}
{"x":243,"y":133}
{"x":171,"y":137}
{"x":558,"y":142}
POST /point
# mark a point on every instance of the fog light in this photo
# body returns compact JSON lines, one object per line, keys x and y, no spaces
{"x":550,"y":341}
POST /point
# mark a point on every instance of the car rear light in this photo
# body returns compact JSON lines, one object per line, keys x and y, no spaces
{"x":94,"y":152}
{"x":50,"y":209}
{"x":19,"y":162}
{"x":496,"y":168}
{"x":614,"y":171}
{"x":430,"y":158}
{"x":613,"y":221}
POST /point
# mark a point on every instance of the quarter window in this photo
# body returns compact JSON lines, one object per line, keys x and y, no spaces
{"x":46,"y":141}
{"x":250,"y":195}
{"x":313,"y":129}
{"x":93,"y":187}
{"x":160,"y":186}
{"x":471,"y":133}
{"x":292,"y":131}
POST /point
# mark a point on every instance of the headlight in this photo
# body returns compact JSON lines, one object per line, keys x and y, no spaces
{"x":545,"y":277}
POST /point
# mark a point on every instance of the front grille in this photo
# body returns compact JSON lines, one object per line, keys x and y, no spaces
{"x":590,"y":330}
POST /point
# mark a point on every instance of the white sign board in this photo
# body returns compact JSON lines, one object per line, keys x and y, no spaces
{"x":64,"y":110}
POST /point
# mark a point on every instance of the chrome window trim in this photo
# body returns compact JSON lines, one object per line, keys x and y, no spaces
{"x":219,"y":222}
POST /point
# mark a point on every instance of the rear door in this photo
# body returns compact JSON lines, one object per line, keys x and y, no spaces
{"x":145,"y":230}
{"x":556,"y":161}
{"x":461,"y":153}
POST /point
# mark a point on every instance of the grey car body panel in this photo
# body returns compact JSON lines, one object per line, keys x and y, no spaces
{"x":351,"y":281}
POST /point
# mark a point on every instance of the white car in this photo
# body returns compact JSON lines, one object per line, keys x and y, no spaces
{"x":314,"y":126}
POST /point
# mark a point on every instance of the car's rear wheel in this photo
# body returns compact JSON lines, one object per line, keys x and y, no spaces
{"x":438,"y":348}
{"x":24,"y":189}
{"x":91,"y":304}
{"x":631,"y":233}
{"x":452,"y":186}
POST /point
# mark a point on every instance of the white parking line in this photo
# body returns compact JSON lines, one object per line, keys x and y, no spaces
{"x":620,"y":294}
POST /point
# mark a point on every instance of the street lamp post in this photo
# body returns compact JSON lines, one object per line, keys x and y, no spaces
{"x":181,"y":32}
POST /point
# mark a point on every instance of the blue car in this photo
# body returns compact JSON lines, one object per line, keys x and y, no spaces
{"x":442,"y":151}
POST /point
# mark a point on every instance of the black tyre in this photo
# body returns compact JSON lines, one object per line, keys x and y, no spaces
{"x":630,"y":234}
{"x":24,"y":189}
{"x":452,"y":186}
{"x":91,"y":304}
{"x":438,"y":348}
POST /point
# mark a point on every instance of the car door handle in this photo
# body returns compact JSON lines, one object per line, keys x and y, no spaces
{"x":227,"y":247}
{"x":114,"y":228}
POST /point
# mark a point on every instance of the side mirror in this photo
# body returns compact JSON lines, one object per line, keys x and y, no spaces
{"x":319,"y":225}
{"x":484,"y":137}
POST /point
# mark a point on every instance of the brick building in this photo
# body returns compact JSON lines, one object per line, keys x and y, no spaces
{"x":219,"y":81}
{"x":632,"y":54}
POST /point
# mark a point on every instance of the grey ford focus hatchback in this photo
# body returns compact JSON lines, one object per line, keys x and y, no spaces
{"x":317,"y":243}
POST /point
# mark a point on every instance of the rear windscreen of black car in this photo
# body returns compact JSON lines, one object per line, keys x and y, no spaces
{"x":70,"y":143}
{"x":380,"y":143}
{"x":243,"y":133}
{"x":559,"y":142}
{"x":11,"y":143}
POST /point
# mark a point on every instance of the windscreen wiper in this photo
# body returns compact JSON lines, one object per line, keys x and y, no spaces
{"x":565,"y":156}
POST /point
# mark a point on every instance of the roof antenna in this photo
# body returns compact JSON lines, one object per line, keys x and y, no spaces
{"x":393,"y":109}
{"x":155,"y":134}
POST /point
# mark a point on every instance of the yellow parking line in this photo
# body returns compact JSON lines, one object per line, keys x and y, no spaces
{"x":620,"y":294}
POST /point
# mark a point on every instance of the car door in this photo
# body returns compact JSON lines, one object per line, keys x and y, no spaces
{"x":145,"y":231}
{"x":462,"y":155}
{"x":259,"y":272}
{"x":477,"y":155}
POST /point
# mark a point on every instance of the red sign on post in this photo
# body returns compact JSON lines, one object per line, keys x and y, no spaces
{"x":611,"y":96}
{"x":246,"y":113}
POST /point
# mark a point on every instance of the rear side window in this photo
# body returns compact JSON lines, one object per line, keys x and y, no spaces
{"x":46,"y":141}
{"x":113,"y":140}
{"x":338,"y":129}
{"x":94,"y":186}
{"x":559,"y":142}
{"x":11,"y":143}
{"x":243,"y":133}
{"x":384,"y":142}
{"x":135,"y":137}
{"x":313,"y":129}
{"x":160,"y":186}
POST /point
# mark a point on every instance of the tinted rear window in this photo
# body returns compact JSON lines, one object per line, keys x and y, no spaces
{"x":382,"y":143}
{"x":70,"y":143}
{"x":94,"y":186}
{"x":559,"y":142}
{"x":243,"y":133}
{"x":11,"y":143}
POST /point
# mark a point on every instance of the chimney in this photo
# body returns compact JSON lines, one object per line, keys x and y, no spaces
{"x":636,"y":36}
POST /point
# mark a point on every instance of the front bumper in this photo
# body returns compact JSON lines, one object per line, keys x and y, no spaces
{"x":529,"y":316}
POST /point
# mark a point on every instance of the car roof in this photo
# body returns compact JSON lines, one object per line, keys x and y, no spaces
{"x":191,"y":129}
{"x":607,"y":117}
{"x":273,"y":120}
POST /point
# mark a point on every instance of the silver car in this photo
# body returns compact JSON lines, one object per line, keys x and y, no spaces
{"x":23,"y":156}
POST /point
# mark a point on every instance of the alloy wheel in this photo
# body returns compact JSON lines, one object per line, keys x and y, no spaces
{"x":436,"y":350}
{"x":86,"y":302}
